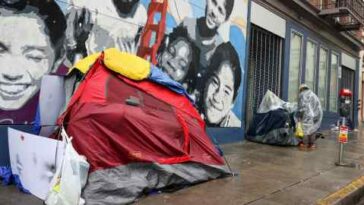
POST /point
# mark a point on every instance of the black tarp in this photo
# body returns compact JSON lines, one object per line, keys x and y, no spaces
{"x":275,"y":127}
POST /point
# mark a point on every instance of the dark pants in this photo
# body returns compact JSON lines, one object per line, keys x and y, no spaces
{"x":309,"y":139}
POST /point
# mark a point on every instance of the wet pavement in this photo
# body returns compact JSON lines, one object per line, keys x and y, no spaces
{"x":267,"y":175}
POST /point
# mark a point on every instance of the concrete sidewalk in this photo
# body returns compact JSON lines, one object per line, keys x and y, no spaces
{"x":271,"y":175}
{"x":268,"y":175}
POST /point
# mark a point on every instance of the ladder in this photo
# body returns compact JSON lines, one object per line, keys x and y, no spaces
{"x":153,"y":32}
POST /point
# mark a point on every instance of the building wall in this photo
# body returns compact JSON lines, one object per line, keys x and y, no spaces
{"x":360,"y":108}
{"x":203,"y":47}
{"x":302,"y":19}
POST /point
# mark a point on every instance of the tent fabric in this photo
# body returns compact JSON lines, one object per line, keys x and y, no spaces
{"x":116,"y":122}
{"x":126,"y":64}
{"x":309,"y":107}
{"x":133,"y":179}
{"x":131,"y":67}
{"x":168,"y":96}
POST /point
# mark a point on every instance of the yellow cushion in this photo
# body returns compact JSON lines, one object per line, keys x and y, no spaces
{"x":128,"y":65}
{"x":85,"y":64}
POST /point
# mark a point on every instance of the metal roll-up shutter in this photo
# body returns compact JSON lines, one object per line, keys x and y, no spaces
{"x":265,"y":67}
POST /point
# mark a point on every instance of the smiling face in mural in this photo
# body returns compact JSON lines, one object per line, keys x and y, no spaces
{"x":215,"y":13}
{"x":219,"y":94}
{"x":176,"y":59}
{"x":26,"y":55}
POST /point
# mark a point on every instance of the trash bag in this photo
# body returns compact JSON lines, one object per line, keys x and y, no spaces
{"x":70,"y":178}
{"x":271,"y":101}
{"x":309,"y":112}
{"x":275,"y":127}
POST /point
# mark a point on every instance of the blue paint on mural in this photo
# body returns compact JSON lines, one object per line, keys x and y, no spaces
{"x":237,"y":38}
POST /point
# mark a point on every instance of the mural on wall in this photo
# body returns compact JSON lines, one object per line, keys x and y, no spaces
{"x":31,"y":45}
{"x":203,"y":48}
{"x":94,"y":25}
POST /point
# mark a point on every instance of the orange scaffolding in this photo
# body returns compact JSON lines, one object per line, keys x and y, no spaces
{"x":153,"y":32}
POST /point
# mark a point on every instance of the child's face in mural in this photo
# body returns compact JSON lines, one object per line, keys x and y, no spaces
{"x":176,"y":59}
{"x":26,"y":55}
{"x":219,"y":94}
{"x":215,"y":13}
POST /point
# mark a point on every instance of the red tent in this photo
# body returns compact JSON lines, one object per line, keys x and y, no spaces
{"x":137,"y":136}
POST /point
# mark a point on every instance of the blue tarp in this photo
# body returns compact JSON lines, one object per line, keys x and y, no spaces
{"x":5,"y":175}
{"x":158,"y":76}
{"x":8,"y":178}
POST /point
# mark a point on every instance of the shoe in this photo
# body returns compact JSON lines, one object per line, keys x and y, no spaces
{"x":301,"y":146}
{"x":311,"y":146}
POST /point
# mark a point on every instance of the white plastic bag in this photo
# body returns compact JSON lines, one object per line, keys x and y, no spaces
{"x":70,"y":178}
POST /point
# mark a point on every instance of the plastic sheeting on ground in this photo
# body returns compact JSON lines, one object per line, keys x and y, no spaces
{"x":310,"y":108}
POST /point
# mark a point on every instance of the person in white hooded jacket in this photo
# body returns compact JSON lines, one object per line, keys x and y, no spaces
{"x":309,"y":114}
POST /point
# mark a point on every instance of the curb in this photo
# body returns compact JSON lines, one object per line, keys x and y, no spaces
{"x":349,"y":194}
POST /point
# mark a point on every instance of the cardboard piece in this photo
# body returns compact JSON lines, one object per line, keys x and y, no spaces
{"x":51,"y":102}
{"x":35,"y":160}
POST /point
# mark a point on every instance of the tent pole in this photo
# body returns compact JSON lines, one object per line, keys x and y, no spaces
{"x":223,"y":156}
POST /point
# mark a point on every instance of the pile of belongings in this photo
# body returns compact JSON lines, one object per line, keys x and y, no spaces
{"x":138,"y":130}
{"x":274,"y":122}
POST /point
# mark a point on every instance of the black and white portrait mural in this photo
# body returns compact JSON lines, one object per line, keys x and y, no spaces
{"x":178,"y":56}
{"x":213,"y":31}
{"x":95,"y":25}
{"x":31,"y":45}
{"x":220,"y":87}
{"x":203,"y":48}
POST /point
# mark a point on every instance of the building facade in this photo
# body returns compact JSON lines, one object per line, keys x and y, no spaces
{"x":227,"y":53}
{"x":199,"y":43}
{"x":313,"y":42}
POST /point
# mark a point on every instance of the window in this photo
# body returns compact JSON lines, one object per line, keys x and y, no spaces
{"x":322,"y":80}
{"x":311,"y":57}
{"x":294,"y":66}
{"x":334,"y":82}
